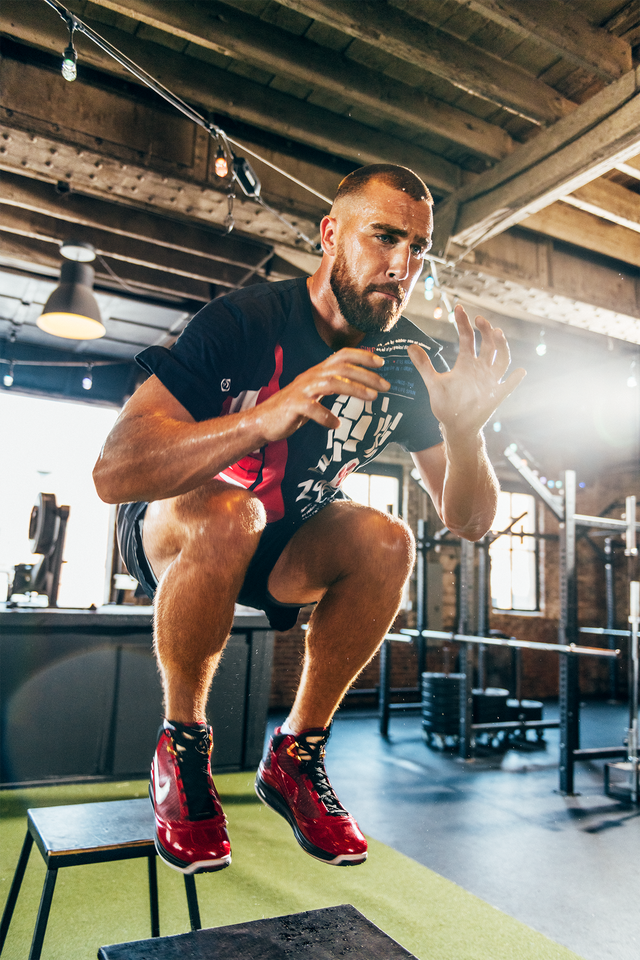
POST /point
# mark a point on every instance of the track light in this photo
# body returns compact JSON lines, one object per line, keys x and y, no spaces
{"x":87,"y":380}
{"x":72,"y":311}
{"x":8,"y":377}
{"x":221,"y":165}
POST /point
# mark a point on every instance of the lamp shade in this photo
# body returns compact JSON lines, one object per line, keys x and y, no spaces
{"x":72,"y":311}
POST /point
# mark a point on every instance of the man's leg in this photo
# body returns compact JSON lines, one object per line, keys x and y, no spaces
{"x":199,"y":546}
{"x":354,"y":562}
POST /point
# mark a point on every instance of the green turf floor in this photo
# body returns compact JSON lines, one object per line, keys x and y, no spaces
{"x":107,"y":903}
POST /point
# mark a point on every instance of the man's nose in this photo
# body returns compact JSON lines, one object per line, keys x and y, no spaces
{"x":398,"y":267}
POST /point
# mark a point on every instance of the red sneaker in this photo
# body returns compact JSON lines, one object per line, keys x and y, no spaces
{"x":293,"y":782}
{"x":191,"y":833}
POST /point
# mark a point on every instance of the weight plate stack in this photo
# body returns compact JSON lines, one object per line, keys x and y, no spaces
{"x":525,"y":709}
{"x":441,"y":704}
{"x":43,"y":524}
{"x":490,"y":705}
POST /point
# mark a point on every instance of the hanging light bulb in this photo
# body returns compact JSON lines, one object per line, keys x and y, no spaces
{"x":429,"y":284}
{"x":631,"y":379}
{"x":221,"y":164}
{"x":87,"y":380}
{"x":8,"y":377}
{"x":70,"y":57}
{"x":437,"y":313}
{"x":541,"y":349}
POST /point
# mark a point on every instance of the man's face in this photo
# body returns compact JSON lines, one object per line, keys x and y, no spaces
{"x":382,"y":237}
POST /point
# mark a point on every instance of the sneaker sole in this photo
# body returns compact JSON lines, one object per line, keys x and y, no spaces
{"x":271,"y":798}
{"x":200,"y":866}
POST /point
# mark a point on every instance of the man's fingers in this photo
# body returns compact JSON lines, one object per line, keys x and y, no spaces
{"x":512,"y":381}
{"x":466,"y":335}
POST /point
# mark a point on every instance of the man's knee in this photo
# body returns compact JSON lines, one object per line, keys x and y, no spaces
{"x":384,"y":537}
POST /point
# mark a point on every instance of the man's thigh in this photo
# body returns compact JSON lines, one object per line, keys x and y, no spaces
{"x":342,"y":538}
{"x":214,"y":518}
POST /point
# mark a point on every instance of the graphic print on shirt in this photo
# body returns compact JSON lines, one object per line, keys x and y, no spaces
{"x":264,"y":468}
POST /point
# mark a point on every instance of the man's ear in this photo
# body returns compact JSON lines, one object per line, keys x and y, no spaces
{"x":329,"y":235}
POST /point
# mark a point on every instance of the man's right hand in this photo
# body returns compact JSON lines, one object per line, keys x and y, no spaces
{"x":349,"y":371}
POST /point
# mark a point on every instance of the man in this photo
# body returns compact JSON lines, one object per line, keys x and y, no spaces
{"x":229,"y":461}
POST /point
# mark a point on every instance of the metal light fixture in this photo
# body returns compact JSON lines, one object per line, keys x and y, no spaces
{"x":77,"y":250}
{"x":72,"y":311}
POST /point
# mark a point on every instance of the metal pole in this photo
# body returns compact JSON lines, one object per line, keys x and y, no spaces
{"x":568,"y":632}
{"x":610,"y":596}
{"x":634,"y":620}
{"x":466,"y":651}
{"x":421,"y":597}
{"x":483,"y":607}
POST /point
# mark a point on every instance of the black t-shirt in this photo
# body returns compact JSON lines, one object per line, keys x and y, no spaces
{"x":244,"y":347}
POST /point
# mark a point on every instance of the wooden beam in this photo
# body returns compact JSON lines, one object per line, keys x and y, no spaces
{"x":92,"y":213}
{"x":598,"y":135}
{"x":232,"y":95}
{"x":230,"y":32}
{"x":561,"y":29}
{"x":585,"y":230}
{"x":609,"y":201}
{"x":467,"y":67}
{"x":128,"y":249}
{"x":29,"y":251}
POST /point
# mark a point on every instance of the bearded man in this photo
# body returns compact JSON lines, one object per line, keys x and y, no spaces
{"x":228,"y":462}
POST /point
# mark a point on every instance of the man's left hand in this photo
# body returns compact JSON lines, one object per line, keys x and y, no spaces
{"x":464,"y":398}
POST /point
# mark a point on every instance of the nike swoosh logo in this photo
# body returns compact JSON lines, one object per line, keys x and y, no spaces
{"x":160,"y":791}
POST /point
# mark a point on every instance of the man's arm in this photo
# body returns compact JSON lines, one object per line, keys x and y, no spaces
{"x":156,"y":450}
{"x":457,"y":473}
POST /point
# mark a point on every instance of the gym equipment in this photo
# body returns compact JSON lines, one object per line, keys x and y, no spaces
{"x":76,"y":834}
{"x":312,"y":935}
{"x":47,"y":532}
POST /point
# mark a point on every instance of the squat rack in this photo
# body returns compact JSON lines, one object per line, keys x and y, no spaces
{"x":568,"y":630}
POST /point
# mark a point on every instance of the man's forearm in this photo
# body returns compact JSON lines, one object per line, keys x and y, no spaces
{"x":470,"y":488}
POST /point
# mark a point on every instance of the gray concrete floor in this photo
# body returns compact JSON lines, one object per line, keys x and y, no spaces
{"x":567,"y":866}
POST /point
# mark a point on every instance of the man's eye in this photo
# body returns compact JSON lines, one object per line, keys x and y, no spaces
{"x":384,"y":237}
{"x":417,"y":250}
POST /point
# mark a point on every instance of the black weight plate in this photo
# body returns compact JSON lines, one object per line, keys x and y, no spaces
{"x":42,"y":523}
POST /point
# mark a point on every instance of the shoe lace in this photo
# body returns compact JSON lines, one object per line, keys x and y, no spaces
{"x":310,"y":753}
{"x":192,"y":750}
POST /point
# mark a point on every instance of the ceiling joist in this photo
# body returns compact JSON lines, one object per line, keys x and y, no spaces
{"x":563,"y":30}
{"x":226,"y":31}
{"x":601,"y":133}
{"x":472,"y":70}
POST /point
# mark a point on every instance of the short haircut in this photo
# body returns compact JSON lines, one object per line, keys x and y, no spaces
{"x":391,"y":174}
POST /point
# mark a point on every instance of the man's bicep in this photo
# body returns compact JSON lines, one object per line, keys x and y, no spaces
{"x":431,"y":464}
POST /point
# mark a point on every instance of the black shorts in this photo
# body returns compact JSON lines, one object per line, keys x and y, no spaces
{"x":253,"y":593}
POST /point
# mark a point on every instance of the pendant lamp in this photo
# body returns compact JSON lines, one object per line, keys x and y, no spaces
{"x":72,"y":311}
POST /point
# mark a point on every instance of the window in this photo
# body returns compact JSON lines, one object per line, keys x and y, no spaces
{"x":380,"y":489}
{"x":50,"y":446}
{"x":514,"y":556}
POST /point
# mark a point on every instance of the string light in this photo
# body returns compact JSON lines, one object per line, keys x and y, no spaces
{"x":429,"y":284}
{"x":8,"y":377}
{"x":221,"y":166}
{"x":70,"y":57}
{"x":87,"y":380}
{"x":437,"y":313}
{"x":541,"y":349}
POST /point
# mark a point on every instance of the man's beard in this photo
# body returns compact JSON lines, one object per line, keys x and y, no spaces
{"x":365,"y":315}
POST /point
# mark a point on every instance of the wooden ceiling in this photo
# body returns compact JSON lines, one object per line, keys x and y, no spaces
{"x":523,"y":117}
